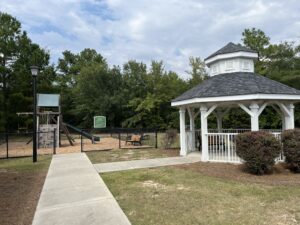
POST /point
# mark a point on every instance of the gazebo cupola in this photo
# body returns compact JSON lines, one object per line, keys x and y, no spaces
{"x":232,"y":83}
{"x":231,"y":58}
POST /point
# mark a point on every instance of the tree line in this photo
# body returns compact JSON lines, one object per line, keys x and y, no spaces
{"x":131,"y":95}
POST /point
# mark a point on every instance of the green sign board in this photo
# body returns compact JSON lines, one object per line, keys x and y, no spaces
{"x":99,"y":121}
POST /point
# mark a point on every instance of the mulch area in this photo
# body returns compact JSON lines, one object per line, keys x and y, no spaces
{"x":20,"y":148}
{"x":19,"y":195}
{"x":280,"y":176}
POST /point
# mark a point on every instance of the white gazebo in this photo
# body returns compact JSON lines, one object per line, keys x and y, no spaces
{"x":232,"y":83}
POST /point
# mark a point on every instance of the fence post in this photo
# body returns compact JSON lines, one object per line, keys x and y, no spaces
{"x":54,"y":141}
{"x":229,"y":147}
{"x":81,"y":143}
{"x":6,"y":139}
{"x":155,"y":138}
{"x":119,"y":135}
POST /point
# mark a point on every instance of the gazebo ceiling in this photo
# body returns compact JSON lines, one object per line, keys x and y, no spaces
{"x":237,"y":84}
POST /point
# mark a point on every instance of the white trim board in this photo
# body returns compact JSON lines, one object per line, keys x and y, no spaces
{"x":237,"y":98}
{"x":238,"y":54}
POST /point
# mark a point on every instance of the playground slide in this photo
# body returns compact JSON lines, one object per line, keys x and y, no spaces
{"x":85,"y":134}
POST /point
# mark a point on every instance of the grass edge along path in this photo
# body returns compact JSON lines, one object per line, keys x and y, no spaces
{"x":117,"y":155}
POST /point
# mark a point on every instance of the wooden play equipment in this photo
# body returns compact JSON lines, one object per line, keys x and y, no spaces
{"x":50,"y":123}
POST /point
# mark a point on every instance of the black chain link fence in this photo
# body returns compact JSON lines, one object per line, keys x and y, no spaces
{"x":15,"y":144}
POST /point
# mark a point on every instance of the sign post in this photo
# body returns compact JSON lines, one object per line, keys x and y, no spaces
{"x":99,"y":121}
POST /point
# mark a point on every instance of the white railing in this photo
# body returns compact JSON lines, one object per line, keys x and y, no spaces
{"x":228,"y":130}
{"x":222,"y":147}
{"x":236,"y":130}
{"x":281,"y":156}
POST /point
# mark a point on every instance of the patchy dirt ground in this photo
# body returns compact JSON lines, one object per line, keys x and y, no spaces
{"x":280,"y":176}
{"x":21,"y":183}
{"x":20,"y":193}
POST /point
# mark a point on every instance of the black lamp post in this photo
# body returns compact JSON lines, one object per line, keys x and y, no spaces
{"x":34,"y":73}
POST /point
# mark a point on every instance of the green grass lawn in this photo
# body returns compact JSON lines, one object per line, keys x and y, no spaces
{"x":129,"y":154}
{"x":170,"y":195}
{"x":26,"y":164}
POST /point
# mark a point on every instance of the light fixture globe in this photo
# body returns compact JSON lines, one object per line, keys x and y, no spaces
{"x":34,"y":70}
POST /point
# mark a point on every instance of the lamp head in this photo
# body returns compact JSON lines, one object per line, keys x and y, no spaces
{"x":34,"y":70}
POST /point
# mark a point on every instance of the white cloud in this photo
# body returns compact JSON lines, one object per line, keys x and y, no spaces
{"x":169,"y":30}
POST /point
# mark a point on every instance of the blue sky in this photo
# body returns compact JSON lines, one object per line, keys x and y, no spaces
{"x":168,"y":30}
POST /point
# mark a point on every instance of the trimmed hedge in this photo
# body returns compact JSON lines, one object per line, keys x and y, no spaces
{"x":258,"y":149}
{"x":291,"y":148}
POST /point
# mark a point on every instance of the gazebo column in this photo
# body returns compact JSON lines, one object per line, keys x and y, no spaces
{"x":205,"y":112}
{"x":254,"y":117}
{"x":219,"y":121}
{"x":292,"y":117}
{"x":204,"y":139}
{"x":183,"y":146}
{"x":281,"y":115}
{"x":287,"y":115}
{"x":220,"y":114}
{"x":192,"y":129}
{"x":254,"y":112}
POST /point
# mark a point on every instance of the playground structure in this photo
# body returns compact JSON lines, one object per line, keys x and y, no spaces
{"x":50,"y":124}
{"x":48,"y":120}
{"x":54,"y":137}
{"x":19,"y":144}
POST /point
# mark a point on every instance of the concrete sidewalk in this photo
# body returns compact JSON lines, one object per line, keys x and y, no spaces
{"x":75,"y":194}
{"x":146,"y":163}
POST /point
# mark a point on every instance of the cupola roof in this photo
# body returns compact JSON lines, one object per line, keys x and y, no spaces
{"x":231,"y":48}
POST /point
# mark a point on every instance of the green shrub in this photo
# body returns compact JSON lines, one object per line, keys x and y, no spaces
{"x":291,"y":148}
{"x":259,"y":150}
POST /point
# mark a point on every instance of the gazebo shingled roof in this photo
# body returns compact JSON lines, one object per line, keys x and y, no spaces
{"x":239,"y":83}
{"x":230,"y":48}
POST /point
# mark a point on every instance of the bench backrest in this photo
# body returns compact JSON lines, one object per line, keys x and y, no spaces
{"x":136,"y":137}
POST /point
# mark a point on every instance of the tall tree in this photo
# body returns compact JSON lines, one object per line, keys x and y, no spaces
{"x":17,"y":54}
{"x":69,"y":69}
{"x":89,"y":88}
{"x":97,"y":94}
{"x":152,"y":108}
{"x":198,"y":72}
{"x":279,"y":62}
{"x":257,"y":40}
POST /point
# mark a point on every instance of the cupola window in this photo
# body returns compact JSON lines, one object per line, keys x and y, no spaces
{"x":246,"y":65}
{"x":229,"y":65}
{"x":214,"y":69}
